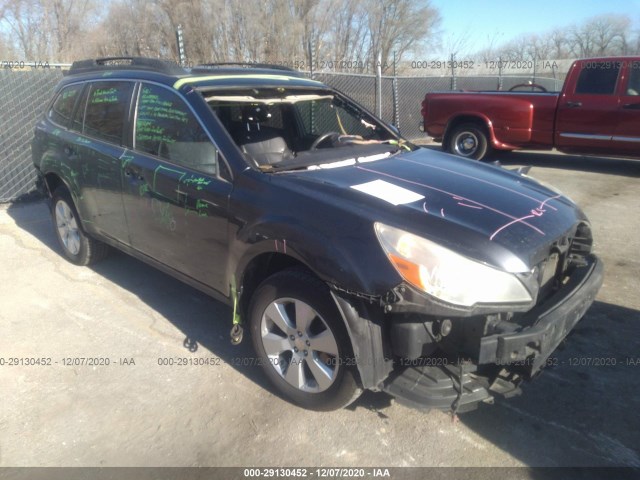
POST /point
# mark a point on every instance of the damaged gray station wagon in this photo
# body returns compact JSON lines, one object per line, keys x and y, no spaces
{"x":355,"y":259}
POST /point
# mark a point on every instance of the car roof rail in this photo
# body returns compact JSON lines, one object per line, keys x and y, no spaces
{"x":126,"y":63}
{"x":207,"y":67}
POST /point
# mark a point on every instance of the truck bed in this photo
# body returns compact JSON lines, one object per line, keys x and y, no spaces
{"x":521,"y":118}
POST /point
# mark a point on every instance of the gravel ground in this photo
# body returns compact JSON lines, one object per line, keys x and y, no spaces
{"x":135,"y":412}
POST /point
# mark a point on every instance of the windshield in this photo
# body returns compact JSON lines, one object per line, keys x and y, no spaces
{"x":282,"y":128}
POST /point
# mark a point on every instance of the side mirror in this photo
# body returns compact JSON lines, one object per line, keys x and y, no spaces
{"x":394,"y":129}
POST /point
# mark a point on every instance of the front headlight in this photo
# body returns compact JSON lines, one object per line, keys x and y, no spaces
{"x":445,"y":274}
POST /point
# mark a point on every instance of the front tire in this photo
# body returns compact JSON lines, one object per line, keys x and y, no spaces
{"x":77,"y":247}
{"x":468,"y":140}
{"x":301,"y":342}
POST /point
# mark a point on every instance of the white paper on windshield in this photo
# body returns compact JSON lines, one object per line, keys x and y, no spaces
{"x":388,"y":192}
{"x":373,"y":158}
{"x":343,"y":163}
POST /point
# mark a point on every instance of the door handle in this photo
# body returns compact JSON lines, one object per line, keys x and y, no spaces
{"x":129,"y":172}
{"x":574,"y":104}
{"x":631,"y":106}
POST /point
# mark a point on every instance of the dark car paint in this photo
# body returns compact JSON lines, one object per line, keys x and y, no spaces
{"x":312,"y":216}
{"x":482,"y":211}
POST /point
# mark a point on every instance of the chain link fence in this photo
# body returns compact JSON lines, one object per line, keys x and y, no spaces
{"x":23,"y":96}
{"x":25,"y":93}
{"x":401,"y":99}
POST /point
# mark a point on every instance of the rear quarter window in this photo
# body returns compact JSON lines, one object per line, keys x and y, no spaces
{"x":62,"y":107}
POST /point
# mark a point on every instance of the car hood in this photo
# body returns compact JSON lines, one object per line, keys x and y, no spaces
{"x":483,"y":211}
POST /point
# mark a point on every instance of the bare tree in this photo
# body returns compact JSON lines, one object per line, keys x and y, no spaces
{"x":6,"y":48}
{"x":50,"y":30}
{"x":604,"y":35}
{"x":24,"y":19}
{"x":492,"y":52}
{"x":454,"y":46}
{"x":67,"y":20}
{"x":610,"y":34}
{"x":560,"y":43}
{"x":221,"y":30}
{"x":347,"y":31}
{"x":601,"y":35}
{"x":133,"y":27}
{"x":399,"y":26}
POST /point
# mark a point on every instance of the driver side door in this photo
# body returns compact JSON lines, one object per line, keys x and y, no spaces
{"x":176,"y":189}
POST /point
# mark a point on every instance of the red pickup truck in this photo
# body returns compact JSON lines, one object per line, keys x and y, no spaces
{"x":597,"y":112}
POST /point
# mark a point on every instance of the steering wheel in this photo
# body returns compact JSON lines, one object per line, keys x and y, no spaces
{"x":322,"y":138}
{"x":530,"y":85}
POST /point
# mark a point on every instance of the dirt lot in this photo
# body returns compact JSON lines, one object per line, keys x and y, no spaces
{"x":135,"y":412}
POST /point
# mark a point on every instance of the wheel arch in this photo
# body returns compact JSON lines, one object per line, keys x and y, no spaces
{"x":258,"y":269}
{"x":53,"y":180}
{"x":478,"y":119}
{"x":362,"y":321}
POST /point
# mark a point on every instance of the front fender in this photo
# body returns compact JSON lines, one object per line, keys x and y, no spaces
{"x":362,"y":316}
{"x":349,"y":267}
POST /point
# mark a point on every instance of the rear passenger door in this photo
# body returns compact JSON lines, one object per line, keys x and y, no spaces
{"x":626,"y":140}
{"x":176,"y":188}
{"x":98,"y":143}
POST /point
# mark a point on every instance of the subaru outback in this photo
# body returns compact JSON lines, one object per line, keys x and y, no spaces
{"x":355,"y":259}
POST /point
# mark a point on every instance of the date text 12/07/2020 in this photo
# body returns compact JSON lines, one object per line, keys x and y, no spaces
{"x":500,"y":65}
{"x":214,"y":361}
{"x":324,"y":472}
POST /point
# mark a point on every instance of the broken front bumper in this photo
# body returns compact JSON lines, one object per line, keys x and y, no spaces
{"x":550,"y":324}
{"x":503,"y":359}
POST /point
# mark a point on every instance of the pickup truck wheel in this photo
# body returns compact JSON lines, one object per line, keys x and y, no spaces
{"x":301,"y":343}
{"x":76,"y":245}
{"x":468,"y":140}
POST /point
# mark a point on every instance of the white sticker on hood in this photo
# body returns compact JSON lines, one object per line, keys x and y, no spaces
{"x":388,"y":192}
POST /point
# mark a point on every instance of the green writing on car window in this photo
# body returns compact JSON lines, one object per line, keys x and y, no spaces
{"x":152,"y":107}
{"x":104,"y":95}
{"x":153,"y":115}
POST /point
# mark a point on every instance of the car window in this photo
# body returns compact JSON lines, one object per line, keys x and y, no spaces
{"x":166,"y":127}
{"x":107,"y":105}
{"x":633,"y":88}
{"x":321,"y":116}
{"x":62,"y":107}
{"x":598,"y":78}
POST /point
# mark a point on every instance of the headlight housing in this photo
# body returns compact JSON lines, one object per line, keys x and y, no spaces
{"x":445,"y":274}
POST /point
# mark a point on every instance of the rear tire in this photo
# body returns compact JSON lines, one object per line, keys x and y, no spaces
{"x":301,"y":342}
{"x":468,"y":140}
{"x":76,"y":245}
